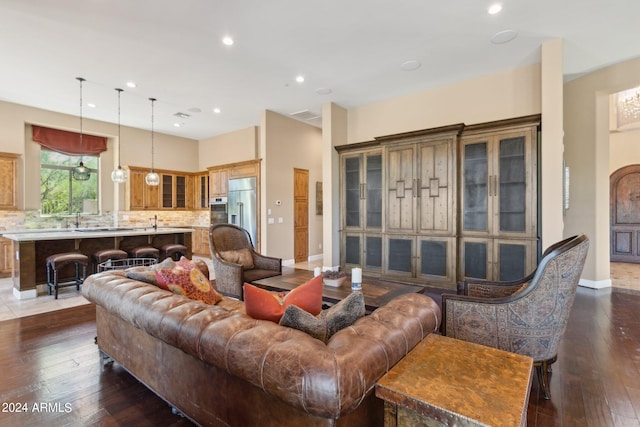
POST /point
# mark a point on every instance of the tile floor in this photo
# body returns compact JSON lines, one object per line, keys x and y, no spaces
{"x":624,"y":276}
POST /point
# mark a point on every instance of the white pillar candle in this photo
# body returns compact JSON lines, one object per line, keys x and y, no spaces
{"x":356,"y":279}
{"x":356,"y":275}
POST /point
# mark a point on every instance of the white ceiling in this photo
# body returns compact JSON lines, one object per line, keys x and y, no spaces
{"x":173,"y":51}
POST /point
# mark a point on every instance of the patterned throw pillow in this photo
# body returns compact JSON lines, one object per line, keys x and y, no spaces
{"x":266,"y":305}
{"x":342,"y":315}
{"x":185,"y":279}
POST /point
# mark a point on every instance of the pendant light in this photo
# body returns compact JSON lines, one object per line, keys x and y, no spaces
{"x":119,"y":175}
{"x":81,"y":172}
{"x":152,"y":177}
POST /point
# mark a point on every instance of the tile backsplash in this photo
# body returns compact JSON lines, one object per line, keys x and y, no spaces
{"x":27,"y":220}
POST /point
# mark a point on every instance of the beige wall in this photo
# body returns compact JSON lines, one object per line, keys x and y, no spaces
{"x":513,"y":93}
{"x":586,"y":112}
{"x":624,"y":149}
{"x":229,"y":148}
{"x":288,"y":144}
{"x":15,"y":137}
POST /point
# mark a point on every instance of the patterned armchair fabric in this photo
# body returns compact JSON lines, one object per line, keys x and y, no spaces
{"x":230,"y":276}
{"x":526,"y":317}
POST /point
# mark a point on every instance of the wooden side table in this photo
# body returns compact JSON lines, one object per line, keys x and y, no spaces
{"x":445,"y":381}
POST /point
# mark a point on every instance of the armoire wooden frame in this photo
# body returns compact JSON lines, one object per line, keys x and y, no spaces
{"x":437,"y":205}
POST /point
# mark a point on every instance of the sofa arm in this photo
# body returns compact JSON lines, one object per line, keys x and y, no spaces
{"x":229,"y":279}
{"x":458,"y":311}
{"x":266,"y":262}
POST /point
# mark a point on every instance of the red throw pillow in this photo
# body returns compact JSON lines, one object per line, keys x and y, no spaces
{"x":266,"y":305}
{"x":185,"y":279}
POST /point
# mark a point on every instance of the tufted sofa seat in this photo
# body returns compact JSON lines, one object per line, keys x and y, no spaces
{"x":220,"y":367}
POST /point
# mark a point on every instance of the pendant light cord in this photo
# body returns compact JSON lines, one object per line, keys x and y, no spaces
{"x":80,"y":79}
{"x":119,"y":92}
{"x":152,"y":139}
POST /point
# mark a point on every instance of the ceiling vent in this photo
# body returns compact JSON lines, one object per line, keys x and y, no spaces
{"x":182,"y":115}
{"x":305,"y":115}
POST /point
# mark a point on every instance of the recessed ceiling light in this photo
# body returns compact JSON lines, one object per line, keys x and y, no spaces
{"x":495,"y":8}
{"x":504,"y":36}
{"x":131,"y":84}
{"x":300,"y":79}
{"x":323,"y":91}
{"x":410,"y":65}
{"x":177,"y":125}
{"x":91,"y":105}
{"x":216,"y":110}
{"x":227,"y":41}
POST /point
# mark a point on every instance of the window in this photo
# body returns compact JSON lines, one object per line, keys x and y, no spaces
{"x":59,"y":193}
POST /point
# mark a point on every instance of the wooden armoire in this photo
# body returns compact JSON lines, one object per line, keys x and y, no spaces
{"x":438,"y":205}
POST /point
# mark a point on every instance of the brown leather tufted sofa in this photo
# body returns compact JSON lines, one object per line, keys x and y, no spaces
{"x":220,"y":367}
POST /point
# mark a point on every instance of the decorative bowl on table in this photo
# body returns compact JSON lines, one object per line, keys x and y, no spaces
{"x":334,"y":278}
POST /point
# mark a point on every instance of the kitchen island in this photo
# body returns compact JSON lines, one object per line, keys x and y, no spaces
{"x":31,"y":248}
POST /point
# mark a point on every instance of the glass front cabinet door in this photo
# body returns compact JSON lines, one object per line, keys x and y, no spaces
{"x":499,"y":204}
{"x":362,"y":214}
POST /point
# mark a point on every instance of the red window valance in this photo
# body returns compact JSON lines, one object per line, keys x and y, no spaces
{"x":67,"y":142}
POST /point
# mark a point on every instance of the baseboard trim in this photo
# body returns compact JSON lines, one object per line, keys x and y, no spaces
{"x":593,"y":284}
{"x":28,"y":294}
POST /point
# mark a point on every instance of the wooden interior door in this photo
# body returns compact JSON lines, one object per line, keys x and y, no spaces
{"x":625,"y":214}
{"x":300,"y":215}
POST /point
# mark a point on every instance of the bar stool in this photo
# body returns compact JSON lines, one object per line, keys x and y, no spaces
{"x":173,"y":251}
{"x":144,"y":252}
{"x":104,"y":255}
{"x":55,"y":262}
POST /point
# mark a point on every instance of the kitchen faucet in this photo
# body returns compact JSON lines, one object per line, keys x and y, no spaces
{"x":154,"y":224}
{"x":77,"y":219}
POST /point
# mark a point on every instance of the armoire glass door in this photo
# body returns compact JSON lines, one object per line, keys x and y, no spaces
{"x":475,"y":187}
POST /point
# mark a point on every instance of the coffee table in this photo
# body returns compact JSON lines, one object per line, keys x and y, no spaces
{"x":376,"y":292}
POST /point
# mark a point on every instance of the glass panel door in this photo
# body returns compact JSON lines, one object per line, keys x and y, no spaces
{"x":374,"y":191}
{"x":352,"y":250}
{"x":513,"y":185}
{"x":373,"y":252}
{"x":475,"y":187}
{"x":352,"y":191}
{"x":475,"y":260}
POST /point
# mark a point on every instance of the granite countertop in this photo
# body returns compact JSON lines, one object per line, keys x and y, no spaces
{"x":84,"y":233}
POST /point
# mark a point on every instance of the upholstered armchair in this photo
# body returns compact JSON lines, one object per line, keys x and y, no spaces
{"x":235,"y":260}
{"x":528,"y":316}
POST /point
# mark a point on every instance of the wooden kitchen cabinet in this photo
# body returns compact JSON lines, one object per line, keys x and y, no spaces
{"x":220,"y":175}
{"x":176,"y":190}
{"x":201,"y":241}
{"x":218,"y":181}
{"x":201,"y":191}
{"x":8,"y":178}
{"x":139,"y":195}
{"x":6,"y":256}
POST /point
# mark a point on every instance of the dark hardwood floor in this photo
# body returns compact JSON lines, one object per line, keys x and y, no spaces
{"x":51,"y":369}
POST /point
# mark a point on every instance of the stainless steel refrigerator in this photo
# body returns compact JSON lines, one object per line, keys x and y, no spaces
{"x":242,"y":205}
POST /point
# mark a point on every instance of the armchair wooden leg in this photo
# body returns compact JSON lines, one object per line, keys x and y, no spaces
{"x":543,"y":369}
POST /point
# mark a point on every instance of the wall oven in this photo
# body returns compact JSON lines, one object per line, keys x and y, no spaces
{"x":219,"y":212}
